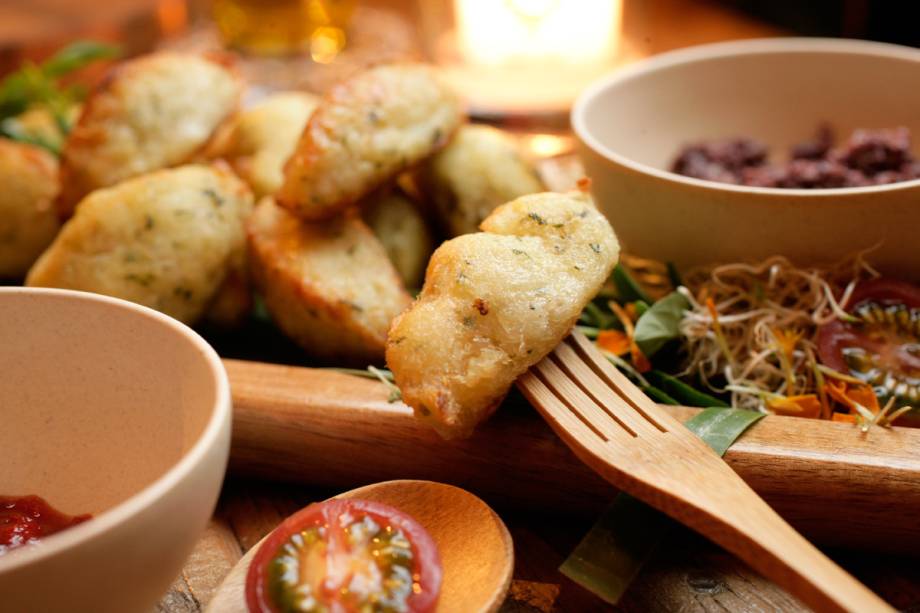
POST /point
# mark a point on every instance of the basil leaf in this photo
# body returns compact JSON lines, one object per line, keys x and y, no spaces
{"x":77,"y":55}
{"x":658,"y":395}
{"x":626,"y":535}
{"x":660,"y":323}
{"x":721,"y":427}
{"x":12,"y":132}
{"x":627,"y":288}
{"x":682,"y":392}
{"x":33,"y":85}
{"x":641,"y":308}
{"x":616,"y":548}
{"x":595,"y":316}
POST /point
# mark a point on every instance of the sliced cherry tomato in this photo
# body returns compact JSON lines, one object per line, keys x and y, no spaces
{"x":345,"y":556}
{"x":882,"y":347}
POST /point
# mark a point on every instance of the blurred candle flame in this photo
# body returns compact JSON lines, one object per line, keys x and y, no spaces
{"x":493,"y":32}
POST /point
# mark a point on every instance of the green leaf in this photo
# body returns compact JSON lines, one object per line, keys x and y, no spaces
{"x":682,"y":392}
{"x":661,"y":323}
{"x":616,"y":548}
{"x":12,"y":132}
{"x":33,"y":85}
{"x":77,"y":55}
{"x":722,"y":427}
{"x":598,"y":317}
{"x":613,"y":552}
{"x":658,"y":395}
{"x":628,"y":290}
{"x":641,"y":307}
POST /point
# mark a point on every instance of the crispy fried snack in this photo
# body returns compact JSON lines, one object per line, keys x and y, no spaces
{"x":260,"y":140}
{"x":28,"y":221}
{"x":166,"y":240}
{"x":401,"y":229}
{"x":495,"y":303}
{"x":480,"y":169}
{"x":152,"y":112}
{"x":365,"y":131}
{"x":329,"y":286}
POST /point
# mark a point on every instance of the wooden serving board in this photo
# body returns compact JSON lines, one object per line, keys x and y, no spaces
{"x":837,"y":485}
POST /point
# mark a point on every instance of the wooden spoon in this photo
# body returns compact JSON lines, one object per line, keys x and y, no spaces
{"x":475,"y":547}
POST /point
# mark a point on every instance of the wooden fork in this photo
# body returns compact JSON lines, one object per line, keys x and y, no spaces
{"x":614,"y":428}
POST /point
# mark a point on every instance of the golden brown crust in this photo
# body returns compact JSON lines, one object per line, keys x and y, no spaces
{"x":365,"y":131}
{"x":329,"y":286}
{"x":259,"y":140}
{"x":399,"y":226}
{"x":152,"y":112}
{"x":495,"y":302}
{"x":479,"y":170}
{"x":166,"y":240}
{"x":28,"y":223}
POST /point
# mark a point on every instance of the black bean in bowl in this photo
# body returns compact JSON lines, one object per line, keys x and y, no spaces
{"x":867,"y":157}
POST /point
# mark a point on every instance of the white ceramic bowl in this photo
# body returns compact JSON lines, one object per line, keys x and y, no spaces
{"x":109,"y":408}
{"x":631,"y":125}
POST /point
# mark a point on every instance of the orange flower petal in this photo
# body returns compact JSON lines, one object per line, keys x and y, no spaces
{"x":614,"y":341}
{"x":844,"y":417}
{"x":849,"y":395}
{"x":640,"y":362}
{"x":806,"y":405}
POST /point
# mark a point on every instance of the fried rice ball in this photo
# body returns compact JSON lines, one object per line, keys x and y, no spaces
{"x":480,"y":169}
{"x":28,"y":222}
{"x":401,"y":229}
{"x":329,"y":286}
{"x":364,"y":132}
{"x":496,"y":302}
{"x":261,"y":139}
{"x":152,"y":112}
{"x":166,"y":240}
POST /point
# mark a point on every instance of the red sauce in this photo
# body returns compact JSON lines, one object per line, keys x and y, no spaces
{"x":28,"y":519}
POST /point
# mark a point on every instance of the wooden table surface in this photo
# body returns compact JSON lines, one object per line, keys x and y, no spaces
{"x":687,"y":574}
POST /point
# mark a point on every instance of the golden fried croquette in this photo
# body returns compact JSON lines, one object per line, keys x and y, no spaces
{"x":496,"y":302}
{"x":480,"y":169}
{"x":261,"y":139}
{"x":364,"y":132}
{"x":28,"y":222}
{"x":398,"y":225}
{"x":233,"y":301}
{"x":329,"y":286}
{"x":165,"y":240}
{"x":152,"y":112}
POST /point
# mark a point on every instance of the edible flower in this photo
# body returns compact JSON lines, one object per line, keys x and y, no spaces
{"x":858,"y":398}
{"x":863,"y":404}
{"x":640,"y":362}
{"x":784,"y":342}
{"x":614,"y":341}
{"x":805,"y":405}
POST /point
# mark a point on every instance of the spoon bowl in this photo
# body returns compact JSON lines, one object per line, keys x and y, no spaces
{"x":475,"y":546}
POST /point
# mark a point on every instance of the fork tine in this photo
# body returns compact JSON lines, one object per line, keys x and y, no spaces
{"x":599,"y":390}
{"x":566,"y":423}
{"x":618,"y":383}
{"x":580,"y":403}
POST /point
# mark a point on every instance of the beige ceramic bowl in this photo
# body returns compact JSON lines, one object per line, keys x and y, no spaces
{"x":631,"y":125}
{"x":109,"y":408}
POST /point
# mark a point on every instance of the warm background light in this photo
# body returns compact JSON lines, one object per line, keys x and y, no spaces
{"x":531,"y":56}
{"x":500,"y":31}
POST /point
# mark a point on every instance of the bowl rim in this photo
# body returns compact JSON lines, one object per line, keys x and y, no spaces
{"x":132,"y":506}
{"x":755,"y":46}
